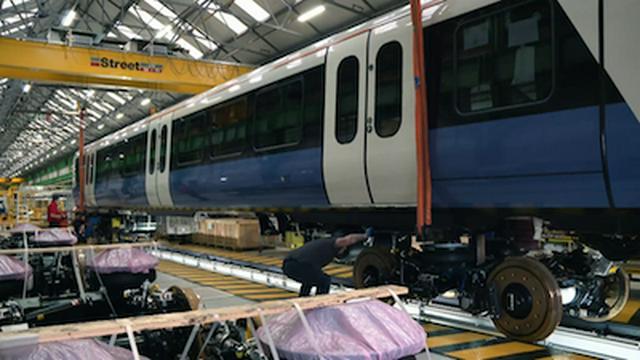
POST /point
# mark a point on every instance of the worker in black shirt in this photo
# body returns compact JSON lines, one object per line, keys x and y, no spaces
{"x":305,"y":263}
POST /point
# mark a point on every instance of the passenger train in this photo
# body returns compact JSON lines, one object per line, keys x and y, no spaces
{"x":533,"y":110}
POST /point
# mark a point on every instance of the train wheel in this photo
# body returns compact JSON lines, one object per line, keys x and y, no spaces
{"x":528,"y":299}
{"x":374,"y":266}
{"x":186,"y":298}
{"x":616,"y":293}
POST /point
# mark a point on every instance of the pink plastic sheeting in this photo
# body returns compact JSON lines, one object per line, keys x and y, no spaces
{"x":363,"y":330}
{"x":22,"y":228}
{"x":13,"y":269}
{"x":55,"y":236}
{"x":82,"y":349}
{"x":132,"y":260}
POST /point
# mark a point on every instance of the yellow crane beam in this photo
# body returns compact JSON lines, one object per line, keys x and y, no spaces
{"x":62,"y":64}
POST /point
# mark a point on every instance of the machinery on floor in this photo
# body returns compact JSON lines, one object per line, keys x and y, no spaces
{"x":62,"y":284}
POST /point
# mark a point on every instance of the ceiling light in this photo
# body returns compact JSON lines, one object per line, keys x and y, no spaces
{"x":162,"y":9}
{"x":128,"y":32}
{"x":230,"y":21}
{"x":121,"y":115}
{"x":165,"y":31}
{"x":308,"y":15}
{"x":254,"y":10}
{"x":117,"y":98}
{"x":145,"y":102}
{"x":7,"y":4}
{"x":68,"y":18}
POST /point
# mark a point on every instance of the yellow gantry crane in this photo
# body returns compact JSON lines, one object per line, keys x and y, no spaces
{"x":62,"y":64}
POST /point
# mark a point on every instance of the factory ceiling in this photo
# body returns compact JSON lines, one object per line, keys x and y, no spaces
{"x":37,"y":124}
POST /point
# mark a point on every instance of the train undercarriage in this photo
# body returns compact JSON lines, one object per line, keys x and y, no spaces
{"x":515,"y":275}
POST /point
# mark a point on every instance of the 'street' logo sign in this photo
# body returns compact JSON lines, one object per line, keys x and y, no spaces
{"x":105,"y":62}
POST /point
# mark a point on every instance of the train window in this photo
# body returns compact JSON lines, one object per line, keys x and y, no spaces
{"x":152,"y":152}
{"x":77,"y":171}
{"x":92,"y":159}
{"x":134,"y":156}
{"x":229,"y":128}
{"x":104,"y":165}
{"x":347,"y":100}
{"x":505,"y":59}
{"x":163,"y":148}
{"x":86,"y":169}
{"x":388,"y":107}
{"x":189,"y":139}
{"x":278,"y":120}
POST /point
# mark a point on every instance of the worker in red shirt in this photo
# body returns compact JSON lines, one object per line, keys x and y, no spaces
{"x":55,"y":216}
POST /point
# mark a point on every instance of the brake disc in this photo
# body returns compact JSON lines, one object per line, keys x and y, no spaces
{"x":529,"y":300}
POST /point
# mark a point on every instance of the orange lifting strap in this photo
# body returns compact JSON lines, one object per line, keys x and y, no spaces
{"x":423,"y":205}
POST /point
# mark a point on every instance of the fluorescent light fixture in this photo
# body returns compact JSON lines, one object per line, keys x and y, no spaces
{"x":207,"y":43}
{"x":116,"y":98}
{"x":7,"y":4}
{"x":230,"y":21}
{"x":166,"y":30}
{"x":145,"y":102}
{"x":308,"y":15}
{"x":128,"y":32}
{"x":90,"y":93}
{"x":67,"y":20}
{"x":254,"y":10}
{"x":108,"y":106}
{"x":26,"y":88}
{"x":161,"y":9}
{"x":121,"y":115}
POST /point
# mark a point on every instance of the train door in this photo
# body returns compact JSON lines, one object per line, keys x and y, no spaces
{"x":344,"y":131}
{"x":157,"y":164}
{"x":90,"y":166}
{"x":390,"y":126}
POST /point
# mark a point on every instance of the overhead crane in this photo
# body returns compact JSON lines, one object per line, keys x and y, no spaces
{"x":86,"y":66}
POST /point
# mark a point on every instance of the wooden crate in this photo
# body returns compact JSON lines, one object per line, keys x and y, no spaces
{"x":232,"y":233}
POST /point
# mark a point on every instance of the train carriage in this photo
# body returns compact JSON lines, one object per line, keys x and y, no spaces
{"x":533,"y":114}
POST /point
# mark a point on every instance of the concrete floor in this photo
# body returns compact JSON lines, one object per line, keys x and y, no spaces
{"x":213,"y":298}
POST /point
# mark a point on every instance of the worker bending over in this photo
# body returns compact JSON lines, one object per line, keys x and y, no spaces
{"x":305,"y":264}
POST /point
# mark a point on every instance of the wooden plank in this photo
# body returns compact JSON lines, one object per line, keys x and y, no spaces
{"x":77,"y":248}
{"x":188,"y":318}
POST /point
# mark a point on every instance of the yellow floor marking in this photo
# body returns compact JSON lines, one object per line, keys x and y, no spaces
{"x":258,"y":291}
{"x":212,"y":276}
{"x":241,"y":286}
{"x":224,"y":281}
{"x":492,"y":351}
{"x":273,"y":262}
{"x":271,"y":296}
{"x":434,"y":327}
{"x":454,"y":339}
{"x":336,"y":271}
{"x":566,"y":357}
{"x":628,"y":311}
{"x":348,"y":272}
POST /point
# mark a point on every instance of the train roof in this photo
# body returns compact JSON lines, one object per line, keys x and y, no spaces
{"x":434,"y":11}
